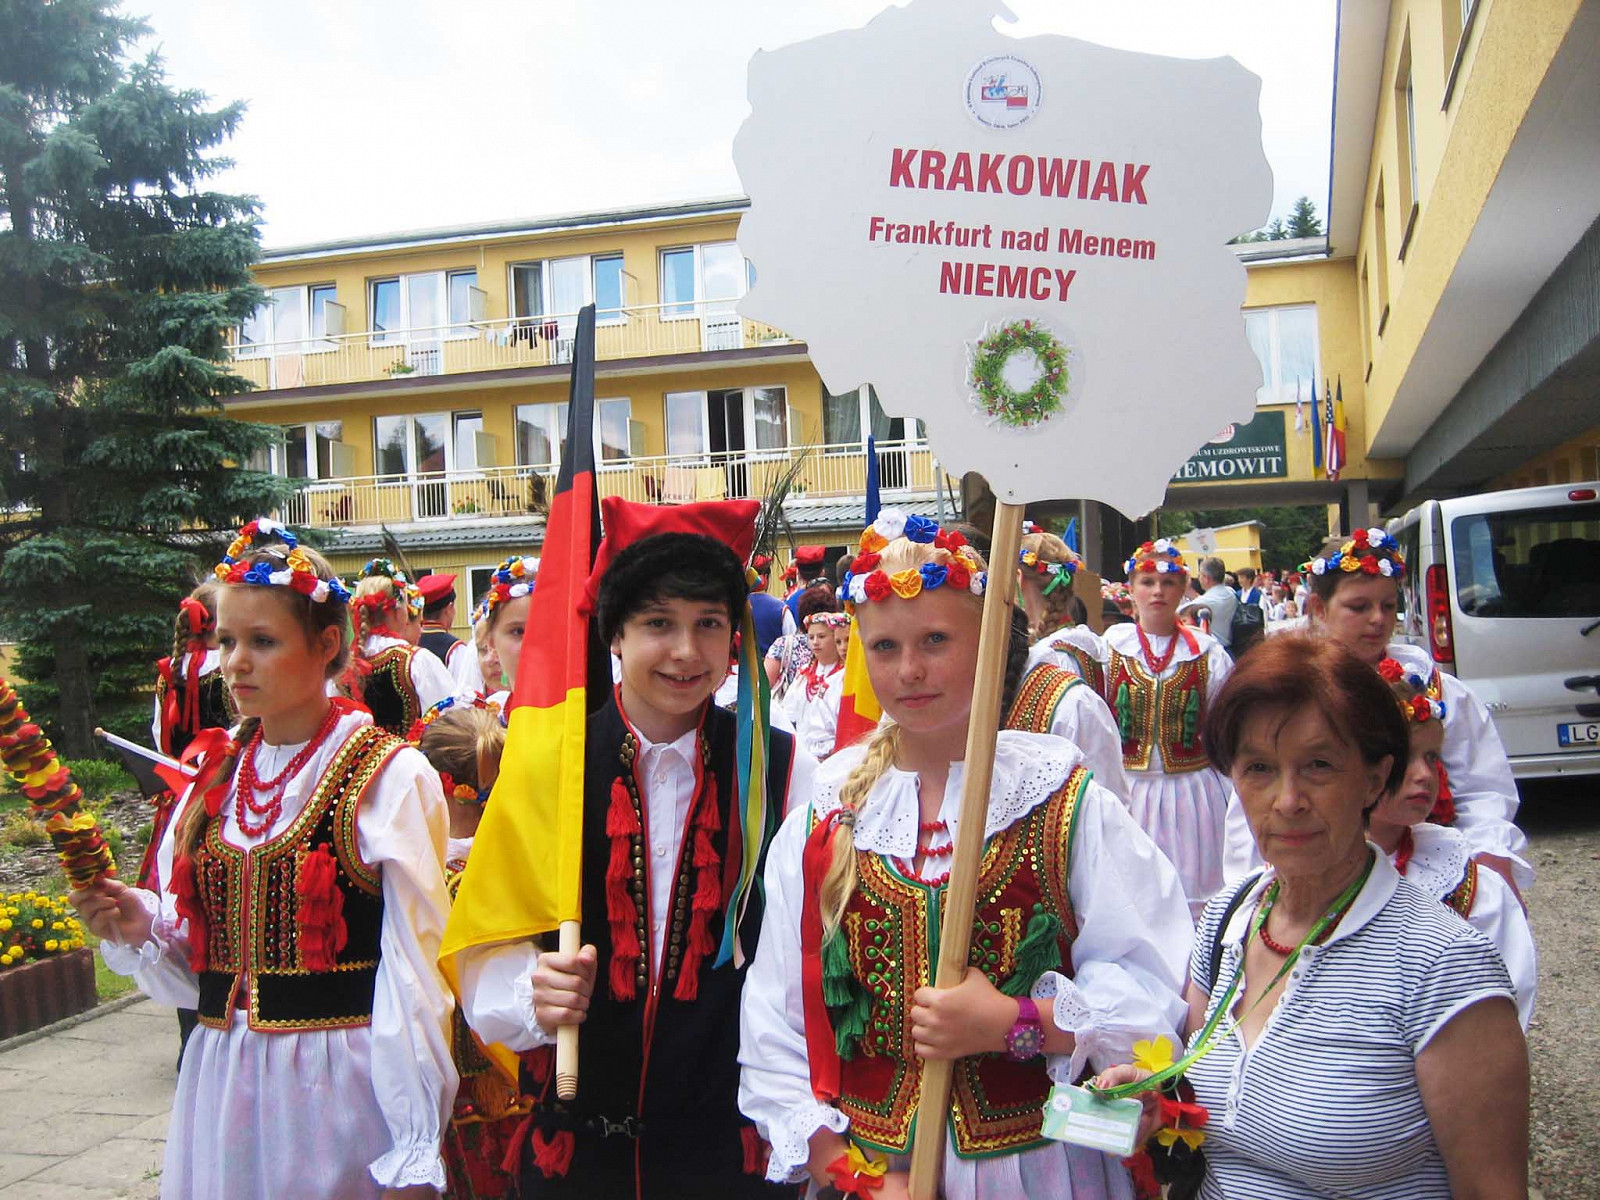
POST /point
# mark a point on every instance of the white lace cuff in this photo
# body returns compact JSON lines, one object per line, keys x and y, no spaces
{"x":1072,"y":1014}
{"x":790,"y":1138}
{"x":125,"y":958}
{"x":409,"y":1166}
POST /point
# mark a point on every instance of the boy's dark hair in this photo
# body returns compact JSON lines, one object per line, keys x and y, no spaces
{"x":815,"y":600}
{"x":431,"y":611}
{"x":669,"y":566}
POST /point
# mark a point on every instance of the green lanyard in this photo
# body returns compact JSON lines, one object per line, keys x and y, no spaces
{"x":1210,"y":1035}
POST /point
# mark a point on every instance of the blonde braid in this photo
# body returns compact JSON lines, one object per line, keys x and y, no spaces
{"x":839,"y":883}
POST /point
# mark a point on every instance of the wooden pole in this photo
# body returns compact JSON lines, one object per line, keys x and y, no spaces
{"x":927,"y":1147}
{"x":569,"y":942}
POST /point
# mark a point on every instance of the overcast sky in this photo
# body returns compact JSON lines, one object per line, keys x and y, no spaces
{"x":373,"y":116}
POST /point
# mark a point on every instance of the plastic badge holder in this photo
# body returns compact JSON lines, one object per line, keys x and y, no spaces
{"x":1080,"y":1118}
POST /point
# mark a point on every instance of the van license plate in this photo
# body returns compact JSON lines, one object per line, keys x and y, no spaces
{"x":1580,"y":733}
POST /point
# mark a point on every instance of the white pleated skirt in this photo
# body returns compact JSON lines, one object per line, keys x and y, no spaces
{"x":1186,"y":816}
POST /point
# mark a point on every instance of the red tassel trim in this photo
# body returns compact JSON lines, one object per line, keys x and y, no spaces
{"x":755,"y":1151}
{"x":622,"y":822}
{"x":552,"y":1155}
{"x":1444,"y":808}
{"x":186,"y":894}
{"x":707,"y":892}
{"x":321,"y":928}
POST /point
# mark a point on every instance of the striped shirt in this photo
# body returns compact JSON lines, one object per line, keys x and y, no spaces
{"x":1326,"y":1102}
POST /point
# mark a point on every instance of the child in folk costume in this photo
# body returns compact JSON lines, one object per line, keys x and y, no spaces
{"x":1046,"y":566}
{"x":503,"y":614}
{"x":813,"y":699}
{"x":463,"y":740}
{"x":392,"y":676}
{"x":301,"y":911}
{"x":655,"y":1113}
{"x":1158,"y":675}
{"x":1354,"y":598}
{"x":191,"y":695}
{"x":1437,"y":858}
{"x":1079,"y":937}
{"x":488,"y":659}
{"x":438,"y":616}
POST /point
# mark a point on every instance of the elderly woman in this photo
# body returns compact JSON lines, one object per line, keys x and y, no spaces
{"x":1377,"y":1050}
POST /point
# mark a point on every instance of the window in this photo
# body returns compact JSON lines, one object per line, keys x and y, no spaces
{"x":846,"y":415}
{"x":1456,"y":19}
{"x":1380,"y":229}
{"x":411,"y":445}
{"x":686,"y":428}
{"x":729,"y":421}
{"x":1364,"y":305}
{"x":769,"y":417}
{"x":1285,"y":342}
{"x":466,"y":427}
{"x":841,"y":418}
{"x":421,"y":306}
{"x":283,"y":322}
{"x":305,"y":452}
{"x":1405,"y":107}
{"x":559,"y":287}
{"x":708,"y":278}
{"x":478,"y":580}
{"x":542,"y":431}
{"x":1528,"y":562}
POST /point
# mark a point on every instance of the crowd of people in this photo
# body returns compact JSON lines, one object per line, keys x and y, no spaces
{"x":1292,"y":856}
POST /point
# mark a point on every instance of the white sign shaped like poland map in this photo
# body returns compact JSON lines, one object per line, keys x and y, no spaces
{"x":1021,"y":241}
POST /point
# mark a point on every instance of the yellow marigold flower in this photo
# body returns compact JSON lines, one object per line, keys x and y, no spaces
{"x":58,"y":926}
{"x":51,"y":944}
{"x":5,"y":924}
{"x":37,"y":923}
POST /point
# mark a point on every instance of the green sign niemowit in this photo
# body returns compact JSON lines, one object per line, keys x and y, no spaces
{"x":1240,"y":453}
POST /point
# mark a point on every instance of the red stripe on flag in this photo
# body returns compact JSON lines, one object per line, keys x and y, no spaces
{"x":551,"y":666}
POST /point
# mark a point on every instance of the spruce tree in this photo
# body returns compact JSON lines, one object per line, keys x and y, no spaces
{"x":1303,"y":221}
{"x":121,"y":274}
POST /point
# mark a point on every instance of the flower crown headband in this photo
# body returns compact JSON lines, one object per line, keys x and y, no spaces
{"x":1059,"y":572}
{"x":830,"y":619}
{"x":1370,"y":551}
{"x":865,"y":581}
{"x":1160,"y":556}
{"x":297,"y":572}
{"x":463,"y":793}
{"x":512,"y":579}
{"x":382,"y":602}
{"x":1420,"y":708}
{"x":420,"y":725}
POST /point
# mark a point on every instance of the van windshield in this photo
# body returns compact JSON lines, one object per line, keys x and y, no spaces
{"x":1531,"y":563}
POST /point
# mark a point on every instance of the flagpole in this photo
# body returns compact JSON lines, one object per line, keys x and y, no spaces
{"x":141,"y":751}
{"x":569,"y":941}
{"x":983,"y":731}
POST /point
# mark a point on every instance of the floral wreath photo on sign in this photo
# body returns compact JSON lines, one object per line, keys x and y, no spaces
{"x":1020,"y":373}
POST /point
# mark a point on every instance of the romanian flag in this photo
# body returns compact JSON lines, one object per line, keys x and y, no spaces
{"x":526,"y":858}
{"x":1336,"y":433}
{"x":859,"y":709}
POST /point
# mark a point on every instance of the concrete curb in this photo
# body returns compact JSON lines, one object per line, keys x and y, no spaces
{"x":61,"y":1026}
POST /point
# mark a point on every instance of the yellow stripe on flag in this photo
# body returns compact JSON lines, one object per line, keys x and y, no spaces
{"x":859,"y":710}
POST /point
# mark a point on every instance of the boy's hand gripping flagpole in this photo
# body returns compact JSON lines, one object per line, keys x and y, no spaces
{"x":983,"y":727}
{"x":525,"y":877}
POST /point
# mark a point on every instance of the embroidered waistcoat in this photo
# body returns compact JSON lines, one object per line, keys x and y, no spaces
{"x":1041,"y":693}
{"x":216,"y":705}
{"x":267,"y":924}
{"x":1461,"y":898}
{"x":1092,"y":670}
{"x":996,"y":1105}
{"x":389,"y":693}
{"x":1164,"y":713}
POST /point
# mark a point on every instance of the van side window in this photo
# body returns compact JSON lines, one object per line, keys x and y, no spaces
{"x":1528,"y":563}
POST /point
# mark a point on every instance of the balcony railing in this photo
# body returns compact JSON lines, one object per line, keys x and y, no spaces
{"x":830,"y":472}
{"x":641,"y":332}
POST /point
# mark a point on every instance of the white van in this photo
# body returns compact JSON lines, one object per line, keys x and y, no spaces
{"x":1503,"y":590}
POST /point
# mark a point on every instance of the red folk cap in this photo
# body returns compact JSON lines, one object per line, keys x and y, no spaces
{"x":731,"y":522}
{"x":435,"y":588}
{"x":808,"y":556}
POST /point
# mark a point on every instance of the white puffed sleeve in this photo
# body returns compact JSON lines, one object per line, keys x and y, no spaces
{"x":1499,"y":917}
{"x":1239,"y":854}
{"x":465,"y":669}
{"x":1085,"y":720}
{"x":775,"y":1075}
{"x":1134,"y":938}
{"x":401,"y":829}
{"x":160,"y":966}
{"x":497,"y":994}
{"x":431,"y":678}
{"x":1485,"y":792}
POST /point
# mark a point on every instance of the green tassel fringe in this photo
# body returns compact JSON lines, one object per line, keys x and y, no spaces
{"x":849,"y":1004}
{"x":1124,"y":712}
{"x":1037,"y":953}
{"x":1191,"y":717}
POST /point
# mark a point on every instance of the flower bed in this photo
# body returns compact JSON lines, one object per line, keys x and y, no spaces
{"x":46,"y":972}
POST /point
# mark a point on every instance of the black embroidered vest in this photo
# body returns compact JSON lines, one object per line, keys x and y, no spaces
{"x":388,"y":691}
{"x":262,"y":928}
{"x":440,"y":642}
{"x":663,"y":1074}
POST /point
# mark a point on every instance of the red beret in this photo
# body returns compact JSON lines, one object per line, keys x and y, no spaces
{"x":435,"y":588}
{"x":808,"y":556}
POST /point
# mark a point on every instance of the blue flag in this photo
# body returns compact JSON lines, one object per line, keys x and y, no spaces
{"x":1070,"y":537}
{"x":873,"y":500}
{"x":1316,"y":432}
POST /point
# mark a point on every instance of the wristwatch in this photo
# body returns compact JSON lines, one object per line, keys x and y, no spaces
{"x":1026,"y":1038}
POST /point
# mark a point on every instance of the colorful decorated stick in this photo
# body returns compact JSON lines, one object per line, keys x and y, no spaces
{"x":52,"y":796}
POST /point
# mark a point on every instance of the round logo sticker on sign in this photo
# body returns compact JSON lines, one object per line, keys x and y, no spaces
{"x":1003,"y":92}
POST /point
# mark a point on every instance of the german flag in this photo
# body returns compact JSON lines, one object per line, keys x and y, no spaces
{"x":859,"y":709}
{"x":526,"y":857}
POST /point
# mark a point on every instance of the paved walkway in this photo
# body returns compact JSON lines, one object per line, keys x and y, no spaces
{"x":86,"y":1108}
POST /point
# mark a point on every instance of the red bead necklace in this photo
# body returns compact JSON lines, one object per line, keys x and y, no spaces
{"x":1156,"y":665}
{"x":1285,"y":951}
{"x":931,"y":852}
{"x":245,"y":802}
